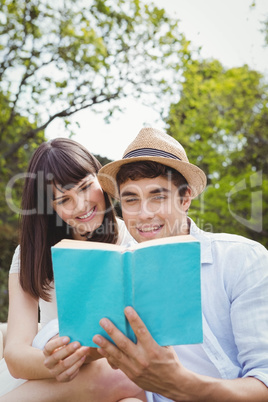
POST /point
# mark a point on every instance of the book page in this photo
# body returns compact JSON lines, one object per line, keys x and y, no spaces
{"x":165,"y":240}
{"x":87,"y":245}
{"x":91,"y":245}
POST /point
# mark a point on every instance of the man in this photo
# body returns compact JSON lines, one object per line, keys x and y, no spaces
{"x":155,"y":183}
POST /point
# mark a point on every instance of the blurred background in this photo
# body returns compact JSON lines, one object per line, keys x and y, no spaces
{"x":98,"y":71}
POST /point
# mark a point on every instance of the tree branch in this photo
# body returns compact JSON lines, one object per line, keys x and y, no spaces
{"x":64,"y":113}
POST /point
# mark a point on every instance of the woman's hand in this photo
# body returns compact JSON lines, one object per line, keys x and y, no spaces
{"x":64,"y":359}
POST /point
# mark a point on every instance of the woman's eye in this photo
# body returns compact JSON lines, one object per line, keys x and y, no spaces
{"x":63,"y":201}
{"x":86,"y":186}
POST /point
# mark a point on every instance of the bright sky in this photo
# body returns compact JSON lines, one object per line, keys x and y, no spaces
{"x":228,"y":30}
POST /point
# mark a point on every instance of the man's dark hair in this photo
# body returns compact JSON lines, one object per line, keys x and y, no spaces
{"x":150,"y":170}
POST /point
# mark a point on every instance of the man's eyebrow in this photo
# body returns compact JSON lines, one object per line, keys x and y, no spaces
{"x":128,"y":193}
{"x":157,"y":190}
{"x":160,"y":190}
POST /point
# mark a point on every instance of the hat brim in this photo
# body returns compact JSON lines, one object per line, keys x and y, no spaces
{"x":195,"y":177}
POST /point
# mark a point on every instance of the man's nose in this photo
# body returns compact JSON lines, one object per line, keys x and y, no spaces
{"x":146,"y":212}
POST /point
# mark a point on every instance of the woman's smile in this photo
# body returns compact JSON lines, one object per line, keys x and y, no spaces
{"x":88,"y":216}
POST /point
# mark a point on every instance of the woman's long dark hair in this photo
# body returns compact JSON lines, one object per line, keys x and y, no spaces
{"x":60,"y":161}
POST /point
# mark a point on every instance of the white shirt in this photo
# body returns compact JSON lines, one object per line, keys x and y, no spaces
{"x":234,"y":282}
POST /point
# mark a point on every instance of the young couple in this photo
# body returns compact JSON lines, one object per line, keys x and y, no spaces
{"x":155,"y":183}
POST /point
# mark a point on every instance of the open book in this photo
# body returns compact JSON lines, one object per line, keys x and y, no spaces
{"x":159,"y":278}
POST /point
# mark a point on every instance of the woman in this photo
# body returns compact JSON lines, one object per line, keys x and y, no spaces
{"x":61,"y":199}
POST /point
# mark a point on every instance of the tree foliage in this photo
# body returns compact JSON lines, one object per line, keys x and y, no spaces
{"x":222,"y":121}
{"x":10,"y":200}
{"x":17,"y":161}
{"x":59,"y":57}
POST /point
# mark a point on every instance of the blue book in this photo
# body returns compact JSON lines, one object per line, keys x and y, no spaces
{"x":159,"y":278}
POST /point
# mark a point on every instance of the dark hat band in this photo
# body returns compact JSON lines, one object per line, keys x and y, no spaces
{"x":149,"y":152}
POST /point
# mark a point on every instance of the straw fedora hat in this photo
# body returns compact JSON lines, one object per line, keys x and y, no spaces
{"x":157,"y":146}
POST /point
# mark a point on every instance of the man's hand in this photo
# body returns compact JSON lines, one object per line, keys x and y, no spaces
{"x":158,"y":369}
{"x":149,"y":365}
{"x":64,"y":359}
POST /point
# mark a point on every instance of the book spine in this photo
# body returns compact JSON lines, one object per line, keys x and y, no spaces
{"x":128,"y":289}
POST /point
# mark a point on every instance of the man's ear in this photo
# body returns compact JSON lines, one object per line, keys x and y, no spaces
{"x":186,"y":200}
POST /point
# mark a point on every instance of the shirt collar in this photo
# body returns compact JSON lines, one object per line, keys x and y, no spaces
{"x":205,"y":240}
